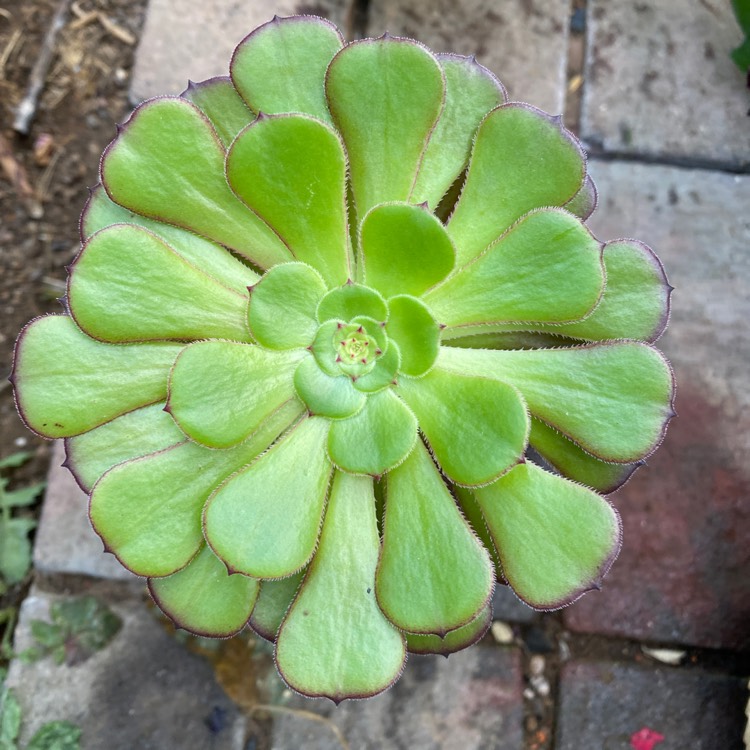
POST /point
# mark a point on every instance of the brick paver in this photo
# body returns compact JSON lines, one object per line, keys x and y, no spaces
{"x":659,"y":81}
{"x":603,"y":705}
{"x":186,"y":39}
{"x":470,"y":701}
{"x":682,"y":574}
{"x":524,"y":42}
{"x":143,"y":690}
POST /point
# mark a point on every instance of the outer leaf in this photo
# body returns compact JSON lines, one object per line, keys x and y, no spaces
{"x":335,"y":641}
{"x":273,"y":603}
{"x":635,"y":302}
{"x":100,"y":212}
{"x":457,"y":640}
{"x":148,"y":510}
{"x":376,"y":439}
{"x":67,"y":383}
{"x":218,"y":99}
{"x":385,"y":96}
{"x":415,"y":331}
{"x":434,"y":575}
{"x":168,"y":164}
{"x":280,"y":66}
{"x":326,"y":396}
{"x":405,"y":249}
{"x":522,"y":159}
{"x":519,"y":276}
{"x":291,"y":170}
{"x":473,"y":514}
{"x":574,"y":463}
{"x":264,"y":521}
{"x":613,"y":399}
{"x":210,"y":378}
{"x":282,"y":307}
{"x":471,"y":91}
{"x":15,"y":550}
{"x":134,"y":434}
{"x":584,"y":202}
{"x":204,"y":599}
{"x":129,"y":285}
{"x":477,"y":427}
{"x":556,"y":539}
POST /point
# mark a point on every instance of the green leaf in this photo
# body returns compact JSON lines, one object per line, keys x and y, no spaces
{"x":471,"y":91}
{"x":280,"y":66}
{"x":168,"y":163}
{"x":352,"y":300}
{"x":48,"y":634}
{"x":457,"y":640}
{"x":574,"y":463}
{"x":23,"y":497}
{"x":204,"y":599}
{"x":469,"y":506}
{"x":326,"y":396}
{"x":522,"y":159}
{"x":636,"y":299}
{"x":477,"y":427}
{"x":335,"y":641}
{"x":434,"y":575}
{"x":741,"y":10}
{"x":741,"y":55}
{"x":100,"y":212}
{"x":282,"y":306}
{"x":405,"y":249}
{"x":324,"y":348}
{"x":129,"y":285}
{"x":385,"y":96}
{"x":14,"y":460}
{"x":148,"y":510}
{"x":519,"y":277}
{"x":556,"y":539}
{"x":384,"y":372}
{"x":137,"y":433}
{"x":89,"y":625}
{"x":15,"y":549}
{"x":210,"y":378}
{"x":584,"y":202}
{"x":274,"y":534}
{"x":415,"y":331}
{"x":273,"y":603}
{"x":376,"y":439}
{"x":67,"y":383}
{"x":10,"y":719}
{"x":291,"y":170}
{"x":612,"y":399}
{"x":56,"y":735}
{"x":218,"y":99}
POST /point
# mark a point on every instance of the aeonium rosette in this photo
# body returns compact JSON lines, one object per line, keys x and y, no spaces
{"x":340,"y":353}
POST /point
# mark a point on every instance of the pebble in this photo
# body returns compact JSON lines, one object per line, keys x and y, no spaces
{"x":502,"y":632}
{"x":536,"y":665}
{"x":665,"y":655}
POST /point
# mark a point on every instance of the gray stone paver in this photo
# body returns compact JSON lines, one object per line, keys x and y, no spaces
{"x":524,"y":42}
{"x":65,"y":540}
{"x":682,"y":574}
{"x":186,"y":39}
{"x":143,"y":690}
{"x":470,"y":701}
{"x":603,"y":705}
{"x":659,"y":82}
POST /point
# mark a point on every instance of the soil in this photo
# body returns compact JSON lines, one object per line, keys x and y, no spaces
{"x":45,"y":174}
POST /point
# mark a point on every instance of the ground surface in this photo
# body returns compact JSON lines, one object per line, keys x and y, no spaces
{"x":642,"y":82}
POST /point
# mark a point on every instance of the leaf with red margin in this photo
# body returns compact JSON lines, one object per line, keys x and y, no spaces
{"x":204,"y":599}
{"x":274,"y":600}
{"x":456,"y":640}
{"x":167,"y":163}
{"x":556,"y":539}
{"x":67,"y":383}
{"x":334,"y":641}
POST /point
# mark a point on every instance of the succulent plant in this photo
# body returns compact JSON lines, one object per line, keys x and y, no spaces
{"x":340,"y":353}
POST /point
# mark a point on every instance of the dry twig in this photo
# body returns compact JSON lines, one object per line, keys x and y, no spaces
{"x":27,"y":108}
